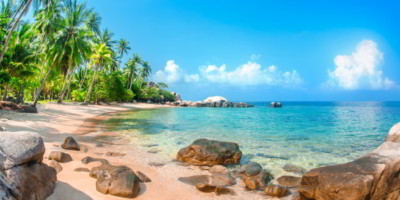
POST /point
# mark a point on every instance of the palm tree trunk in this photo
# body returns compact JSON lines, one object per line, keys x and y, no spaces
{"x":67,"y":82}
{"x":13,"y":28}
{"x":21,"y":95}
{"x":39,"y":90}
{"x":5,"y":92}
{"x":89,"y":95}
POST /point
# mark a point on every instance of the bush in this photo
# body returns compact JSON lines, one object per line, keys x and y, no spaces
{"x":79,"y":95}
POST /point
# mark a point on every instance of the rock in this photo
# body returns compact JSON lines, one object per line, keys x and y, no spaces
{"x":60,"y":157}
{"x":114,"y":154}
{"x":70,"y":144}
{"x":223,"y":190}
{"x":17,"y":148}
{"x":7,"y":188}
{"x":177,"y":97}
{"x":142,"y":177}
{"x":34,"y":181}
{"x":54,"y":164}
{"x":88,"y":159}
{"x":215,"y":99}
{"x":260,"y":180}
{"x":289,"y":181}
{"x":205,"y":167}
{"x":194,"y":180}
{"x":2,"y":128}
{"x":210,"y":152}
{"x":374,"y":176}
{"x":252,"y":169}
{"x":154,"y":151}
{"x":223,"y":179}
{"x":155,"y":164}
{"x":219,"y":169}
{"x":394,"y":133}
{"x":118,"y":181}
{"x":81,"y":169}
{"x":27,"y":109}
{"x":276,"y":191}
{"x":207,"y":188}
{"x":294,"y":169}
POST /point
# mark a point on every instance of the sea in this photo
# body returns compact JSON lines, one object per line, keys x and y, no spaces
{"x":306,"y":134}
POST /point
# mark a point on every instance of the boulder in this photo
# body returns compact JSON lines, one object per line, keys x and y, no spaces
{"x":252,"y":169}
{"x":88,"y":159}
{"x":54,"y":164}
{"x":7,"y":188}
{"x":118,"y":181}
{"x":17,"y":148}
{"x":2,"y":129}
{"x":35,"y":181}
{"x":215,"y":99}
{"x":60,"y":157}
{"x":276,"y":105}
{"x":374,"y":176}
{"x":289,"y":181}
{"x":276,"y":191}
{"x":70,"y":144}
{"x":207,"y":188}
{"x":219,"y":169}
{"x":394,"y":133}
{"x":210,"y":152}
{"x":223,"y":179}
{"x":294,"y":169}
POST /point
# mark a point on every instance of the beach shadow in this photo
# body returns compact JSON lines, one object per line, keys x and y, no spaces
{"x":65,"y":191}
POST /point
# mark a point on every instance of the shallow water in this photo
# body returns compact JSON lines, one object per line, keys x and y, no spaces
{"x":307,"y":134}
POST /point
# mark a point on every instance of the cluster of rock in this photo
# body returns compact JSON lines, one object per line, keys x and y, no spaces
{"x":210,"y":102}
{"x":205,"y":153}
{"x":276,"y":105}
{"x":23,"y":176}
{"x":8,"y":105}
{"x":374,"y":176}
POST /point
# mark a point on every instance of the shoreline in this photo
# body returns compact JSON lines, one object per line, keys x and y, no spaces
{"x":55,"y":122}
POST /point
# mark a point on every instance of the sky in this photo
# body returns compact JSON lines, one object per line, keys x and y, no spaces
{"x":264,"y":50}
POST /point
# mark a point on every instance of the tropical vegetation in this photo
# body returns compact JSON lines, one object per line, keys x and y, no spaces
{"x":64,"y":55}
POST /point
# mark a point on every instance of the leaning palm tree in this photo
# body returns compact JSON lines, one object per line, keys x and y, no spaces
{"x":145,"y":71}
{"x":73,"y":40}
{"x":132,"y":63}
{"x":22,"y":8}
{"x":100,"y":58}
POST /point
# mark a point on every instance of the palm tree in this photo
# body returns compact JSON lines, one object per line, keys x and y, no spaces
{"x":145,"y":71}
{"x":101,"y":57}
{"x":72,"y":40}
{"x":132,"y":63}
{"x":106,"y":37}
{"x":123,"y":48}
{"x":20,"y":11}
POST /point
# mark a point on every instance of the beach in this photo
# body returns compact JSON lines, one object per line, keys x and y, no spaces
{"x":55,"y":122}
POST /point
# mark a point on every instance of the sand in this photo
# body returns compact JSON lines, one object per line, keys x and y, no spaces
{"x":55,"y":122}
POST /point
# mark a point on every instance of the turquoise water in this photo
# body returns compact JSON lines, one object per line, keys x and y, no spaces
{"x":308,"y":134}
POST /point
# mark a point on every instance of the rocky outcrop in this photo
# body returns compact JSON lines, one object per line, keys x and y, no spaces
{"x":210,"y":102}
{"x":25,"y":176}
{"x":374,"y":176}
{"x":276,"y":105}
{"x":7,"y":105}
{"x":254,"y":177}
{"x":118,"y":181}
{"x":210,"y":152}
{"x":70,"y":144}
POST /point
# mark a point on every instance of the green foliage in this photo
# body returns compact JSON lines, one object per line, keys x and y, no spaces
{"x":79,"y":95}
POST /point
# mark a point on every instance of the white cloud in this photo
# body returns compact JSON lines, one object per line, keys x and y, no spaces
{"x":192,"y":78}
{"x":255,"y":57}
{"x":250,"y":73}
{"x":361,"y":69}
{"x":170,"y":74}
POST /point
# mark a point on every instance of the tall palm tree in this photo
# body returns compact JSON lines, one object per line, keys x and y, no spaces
{"x":21,"y":9}
{"x":72,"y":40}
{"x":106,"y":37}
{"x":123,"y":48}
{"x":145,"y":71}
{"x":100,"y":58}
{"x":132,"y":63}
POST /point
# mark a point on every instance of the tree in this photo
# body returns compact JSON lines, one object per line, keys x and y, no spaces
{"x":123,"y":48}
{"x":162,"y":85}
{"x":100,"y":58}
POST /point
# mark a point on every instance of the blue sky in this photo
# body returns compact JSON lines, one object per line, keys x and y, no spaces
{"x":264,"y":50}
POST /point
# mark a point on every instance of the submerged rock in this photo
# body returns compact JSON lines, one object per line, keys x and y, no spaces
{"x":254,"y":177}
{"x":374,"y":176}
{"x":294,"y":169}
{"x":70,"y":144}
{"x":210,"y":152}
{"x":289,"y":181}
{"x":252,"y":169}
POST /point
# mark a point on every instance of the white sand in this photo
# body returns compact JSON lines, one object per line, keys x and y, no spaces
{"x":55,"y":122}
